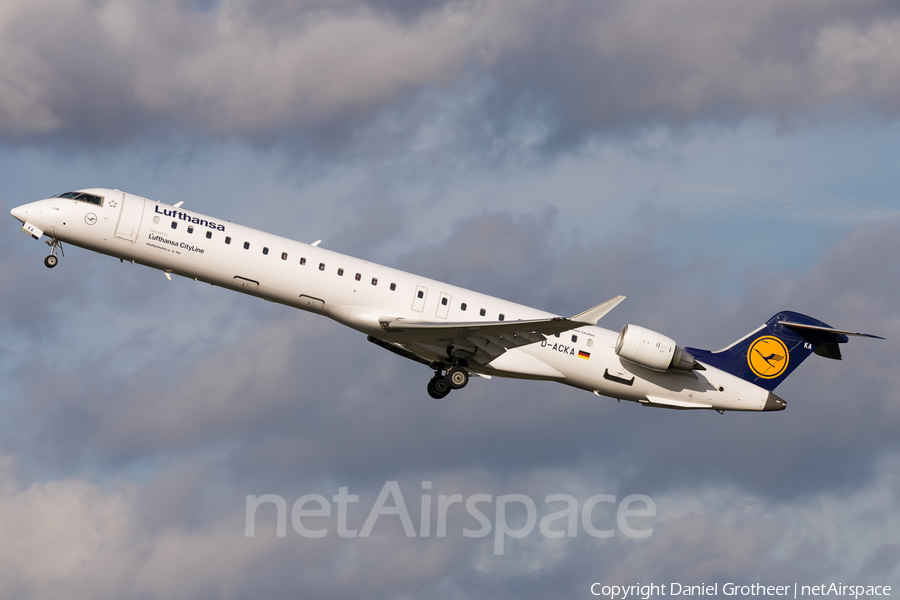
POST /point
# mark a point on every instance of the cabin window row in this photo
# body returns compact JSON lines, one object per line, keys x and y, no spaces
{"x":284,"y":256}
{"x":463,"y":306}
{"x":340,"y":271}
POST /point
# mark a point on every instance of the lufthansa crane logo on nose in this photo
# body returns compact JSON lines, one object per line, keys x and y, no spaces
{"x":768,"y":357}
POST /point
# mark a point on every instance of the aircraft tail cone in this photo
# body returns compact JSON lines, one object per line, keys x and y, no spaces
{"x":774,"y":402}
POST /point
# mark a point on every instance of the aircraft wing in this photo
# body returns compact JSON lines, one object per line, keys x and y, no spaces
{"x":485,"y":340}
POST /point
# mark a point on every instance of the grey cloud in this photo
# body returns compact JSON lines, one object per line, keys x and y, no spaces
{"x":129,"y":541}
{"x":198,"y":397}
{"x":527,"y":75}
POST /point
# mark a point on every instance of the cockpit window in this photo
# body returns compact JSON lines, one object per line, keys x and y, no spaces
{"x":82,"y":197}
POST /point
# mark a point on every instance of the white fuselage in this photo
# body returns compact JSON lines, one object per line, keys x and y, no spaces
{"x":357,"y":293}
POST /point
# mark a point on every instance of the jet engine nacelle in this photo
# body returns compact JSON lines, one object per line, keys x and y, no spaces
{"x":652,"y":350}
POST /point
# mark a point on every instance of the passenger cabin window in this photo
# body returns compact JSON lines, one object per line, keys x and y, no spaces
{"x":190,"y":229}
{"x":227,"y":239}
{"x":374,"y":281}
{"x":246,"y":245}
{"x":156,"y":220}
{"x":482,"y":312}
{"x":421,"y":294}
{"x":393,"y":286}
{"x":574,"y":338}
{"x":81,"y":197}
{"x":462,"y":306}
{"x":265,"y":250}
{"x":444,"y":301}
{"x":358,"y":276}
{"x":284,"y":256}
{"x":502,"y":316}
{"x":174,"y":224}
{"x":321,"y":266}
{"x":590,"y":342}
{"x":209,"y":235}
{"x":302,"y":261}
{"x":340,"y":272}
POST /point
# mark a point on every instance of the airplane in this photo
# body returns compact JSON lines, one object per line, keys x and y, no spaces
{"x":458,"y":333}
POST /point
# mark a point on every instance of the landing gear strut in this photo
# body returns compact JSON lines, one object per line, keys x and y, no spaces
{"x":51,"y":261}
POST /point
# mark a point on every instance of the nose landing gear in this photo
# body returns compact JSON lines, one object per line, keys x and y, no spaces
{"x":52,"y":260}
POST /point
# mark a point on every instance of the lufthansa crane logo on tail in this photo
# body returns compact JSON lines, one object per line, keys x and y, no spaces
{"x":768,"y":357}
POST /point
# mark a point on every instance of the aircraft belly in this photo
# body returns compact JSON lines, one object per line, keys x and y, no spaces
{"x":362,"y":318}
{"x":518,"y":363}
{"x":606,"y":374}
{"x":712,"y":389}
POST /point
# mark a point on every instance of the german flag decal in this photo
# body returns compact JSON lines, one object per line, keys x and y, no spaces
{"x":584,"y":355}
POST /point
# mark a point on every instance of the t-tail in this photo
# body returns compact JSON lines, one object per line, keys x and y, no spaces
{"x":766,"y":357}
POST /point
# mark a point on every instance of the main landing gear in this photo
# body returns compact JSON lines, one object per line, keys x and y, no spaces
{"x":441,"y":385}
{"x":52,"y":260}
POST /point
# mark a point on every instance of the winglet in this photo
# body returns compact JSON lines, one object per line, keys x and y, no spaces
{"x":591,"y":316}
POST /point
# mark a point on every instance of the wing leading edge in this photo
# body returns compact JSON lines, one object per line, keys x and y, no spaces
{"x":484,"y":341}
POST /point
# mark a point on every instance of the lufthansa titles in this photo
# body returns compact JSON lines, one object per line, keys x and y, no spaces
{"x":182,"y":245}
{"x":183,"y":216}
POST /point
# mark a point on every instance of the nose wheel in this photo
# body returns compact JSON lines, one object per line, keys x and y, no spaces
{"x":52,"y":260}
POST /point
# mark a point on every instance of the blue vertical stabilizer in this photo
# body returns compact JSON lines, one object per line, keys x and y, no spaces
{"x":768,"y":355}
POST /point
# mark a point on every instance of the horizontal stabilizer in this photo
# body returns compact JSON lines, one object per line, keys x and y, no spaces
{"x":828,"y":350}
{"x":825,"y":330}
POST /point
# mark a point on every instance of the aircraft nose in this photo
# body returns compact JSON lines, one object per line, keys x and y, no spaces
{"x":20,"y":212}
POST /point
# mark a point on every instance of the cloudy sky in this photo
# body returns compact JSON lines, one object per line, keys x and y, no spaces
{"x":716,"y":162}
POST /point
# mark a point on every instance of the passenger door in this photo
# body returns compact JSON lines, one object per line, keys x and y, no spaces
{"x":130,"y":218}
